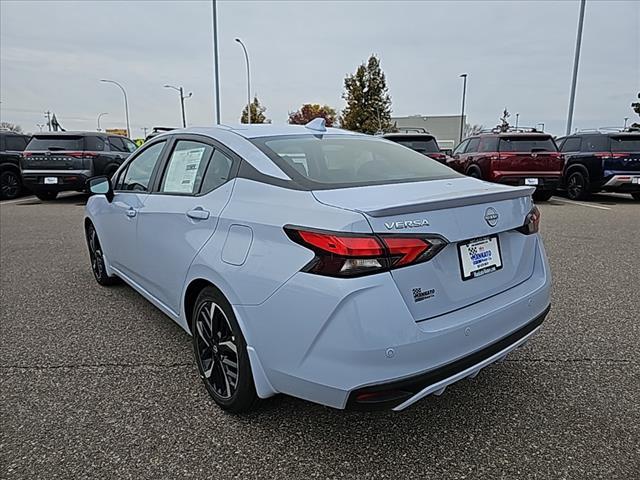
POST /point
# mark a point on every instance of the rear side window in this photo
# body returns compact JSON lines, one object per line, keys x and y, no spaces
{"x":488,"y":144}
{"x":595,"y":143}
{"x":218,"y":172}
{"x":95,"y":144}
{"x":328,"y":161}
{"x":473,"y":145}
{"x":15,"y":143}
{"x":56,"y":142}
{"x":571,"y":144}
{"x":186,"y":167}
{"x":626,"y":143}
{"x":137,"y":176}
{"x":527,"y":144}
{"x":419,"y":144}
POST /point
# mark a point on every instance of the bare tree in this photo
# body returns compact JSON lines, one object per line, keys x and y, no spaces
{"x":12,"y":127}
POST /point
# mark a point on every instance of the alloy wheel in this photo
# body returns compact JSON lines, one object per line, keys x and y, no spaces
{"x":217,"y":349}
{"x":575,"y":186}
{"x":10,"y":186}
{"x":95,"y":252}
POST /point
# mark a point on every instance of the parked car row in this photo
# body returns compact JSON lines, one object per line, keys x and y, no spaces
{"x":581,"y":164}
{"x":51,"y":162}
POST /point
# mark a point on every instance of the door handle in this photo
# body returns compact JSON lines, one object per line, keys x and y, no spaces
{"x":131,"y":212}
{"x":198,"y":213}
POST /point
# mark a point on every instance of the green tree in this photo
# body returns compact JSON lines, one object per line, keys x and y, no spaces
{"x":309,"y":111}
{"x":368,"y":107}
{"x":257,"y":113}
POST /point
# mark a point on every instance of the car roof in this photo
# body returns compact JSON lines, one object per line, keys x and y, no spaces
{"x":259,"y":130}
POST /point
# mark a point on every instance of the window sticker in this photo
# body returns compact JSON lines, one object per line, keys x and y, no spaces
{"x":183,"y":169}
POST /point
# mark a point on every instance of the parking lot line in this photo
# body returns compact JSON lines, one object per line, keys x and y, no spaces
{"x":580,"y":203}
{"x":17,"y":200}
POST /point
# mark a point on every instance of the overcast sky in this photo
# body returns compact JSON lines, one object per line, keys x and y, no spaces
{"x":517,"y":54}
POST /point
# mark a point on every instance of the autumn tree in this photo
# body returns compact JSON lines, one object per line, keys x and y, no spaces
{"x":309,"y":111}
{"x":368,"y":107}
{"x":257,"y":113}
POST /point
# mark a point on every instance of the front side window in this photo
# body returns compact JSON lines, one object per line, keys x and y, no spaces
{"x":329,"y":161}
{"x":473,"y":145}
{"x":461,"y":148}
{"x":137,"y":176}
{"x":186,"y":167}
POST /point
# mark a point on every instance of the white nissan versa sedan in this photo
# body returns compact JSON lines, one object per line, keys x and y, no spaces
{"x":328,"y":265}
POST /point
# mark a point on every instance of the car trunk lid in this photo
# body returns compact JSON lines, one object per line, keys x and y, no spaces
{"x":459,"y":210}
{"x":529,"y":153}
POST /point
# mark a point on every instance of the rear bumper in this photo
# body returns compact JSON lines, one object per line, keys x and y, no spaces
{"x":545,"y":181}
{"x":66,"y":180}
{"x":623,"y":182}
{"x":326,"y":341}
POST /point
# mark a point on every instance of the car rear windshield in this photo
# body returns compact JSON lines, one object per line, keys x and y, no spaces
{"x":55,"y":142}
{"x":527,"y":144}
{"x":626,"y":143}
{"x":332,"y":161}
{"x":419,"y":144}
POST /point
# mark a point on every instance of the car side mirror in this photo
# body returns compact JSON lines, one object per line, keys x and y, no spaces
{"x":100,"y":186}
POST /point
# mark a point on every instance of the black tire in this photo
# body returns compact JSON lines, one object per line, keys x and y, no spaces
{"x":636,"y":196}
{"x":46,"y":196}
{"x":474,"y":172}
{"x":578,"y":186}
{"x":97,"y":258}
{"x":542,"y":195}
{"x":221,"y":353}
{"x":10,"y":185}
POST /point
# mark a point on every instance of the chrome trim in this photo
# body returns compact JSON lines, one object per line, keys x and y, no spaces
{"x":616,"y":182}
{"x":86,"y":173}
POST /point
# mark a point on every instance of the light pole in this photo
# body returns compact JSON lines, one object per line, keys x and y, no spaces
{"x":464,"y":97}
{"x":144,"y":130}
{"x":216,"y":76}
{"x":126,"y":103}
{"x":626,"y":119}
{"x":100,"y":116}
{"x":40,"y":126}
{"x":246,"y":57}
{"x":180,"y":90}
{"x":576,"y":61}
{"x":517,"y":120}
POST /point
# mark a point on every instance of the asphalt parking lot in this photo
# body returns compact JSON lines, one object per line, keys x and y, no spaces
{"x":97,"y":383}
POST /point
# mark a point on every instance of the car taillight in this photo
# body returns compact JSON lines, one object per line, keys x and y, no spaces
{"x":351,"y":255}
{"x":26,"y":154}
{"x":531,"y":222}
{"x":81,"y":154}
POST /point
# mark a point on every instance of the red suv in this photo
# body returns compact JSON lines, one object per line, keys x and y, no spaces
{"x":513,"y":158}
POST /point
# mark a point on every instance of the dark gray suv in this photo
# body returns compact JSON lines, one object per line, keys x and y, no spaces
{"x":54,"y":162}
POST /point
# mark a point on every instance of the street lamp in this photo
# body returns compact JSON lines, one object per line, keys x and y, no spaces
{"x":126,"y":103}
{"x":182,"y":97}
{"x":40,"y":126}
{"x":246,"y":57}
{"x":464,"y":95}
{"x":216,"y":71}
{"x":100,"y":116}
{"x":517,"y":120}
{"x":576,"y":61}
{"x":626,"y":119}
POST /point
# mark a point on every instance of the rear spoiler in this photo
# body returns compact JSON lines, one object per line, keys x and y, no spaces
{"x":429,"y":206}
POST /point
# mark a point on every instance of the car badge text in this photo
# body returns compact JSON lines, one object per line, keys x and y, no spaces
{"x":406,"y":224}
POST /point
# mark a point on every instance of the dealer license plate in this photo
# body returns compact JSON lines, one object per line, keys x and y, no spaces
{"x":531,"y":181}
{"x":50,"y":180}
{"x":479,"y":257}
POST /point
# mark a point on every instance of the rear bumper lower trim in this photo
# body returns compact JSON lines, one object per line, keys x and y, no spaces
{"x":435,"y":381}
{"x":620,"y":180}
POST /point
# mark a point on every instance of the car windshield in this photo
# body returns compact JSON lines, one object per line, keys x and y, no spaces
{"x":419,"y":144}
{"x":331,"y":161}
{"x":626,"y":143}
{"x":59,"y":142}
{"x":527,"y":144}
